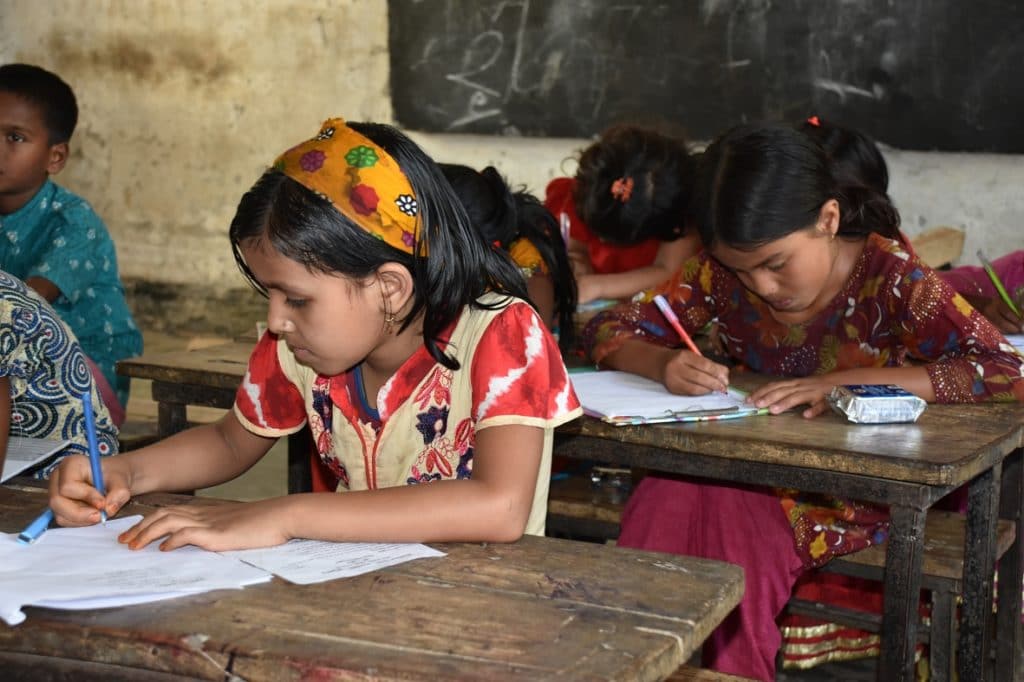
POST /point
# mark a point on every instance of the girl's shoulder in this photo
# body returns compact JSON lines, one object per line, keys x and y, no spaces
{"x":885,"y":254}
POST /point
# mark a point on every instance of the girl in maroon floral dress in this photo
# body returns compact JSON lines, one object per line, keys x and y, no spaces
{"x":806,"y":281}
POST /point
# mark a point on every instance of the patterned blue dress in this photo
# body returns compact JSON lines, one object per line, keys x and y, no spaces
{"x":56,"y":235}
{"x":48,"y":375}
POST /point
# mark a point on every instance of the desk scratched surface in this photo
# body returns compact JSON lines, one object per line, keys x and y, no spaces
{"x":948,"y":445}
{"x":535,"y":609}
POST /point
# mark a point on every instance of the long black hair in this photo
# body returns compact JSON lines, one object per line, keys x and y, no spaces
{"x":456,"y":271}
{"x":659,"y":171}
{"x":856,"y":159}
{"x":503,"y":216}
{"x":759,"y":182}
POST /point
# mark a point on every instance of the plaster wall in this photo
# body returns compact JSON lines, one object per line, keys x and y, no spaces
{"x":184,"y":103}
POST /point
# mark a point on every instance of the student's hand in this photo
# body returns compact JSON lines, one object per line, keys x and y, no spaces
{"x":215,"y":527}
{"x":687,"y":373}
{"x":780,"y":396}
{"x":996,"y":310}
{"x":74,"y":500}
{"x":587,"y":288}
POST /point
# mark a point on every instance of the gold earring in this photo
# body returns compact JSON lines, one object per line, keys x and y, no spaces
{"x":389,"y":321}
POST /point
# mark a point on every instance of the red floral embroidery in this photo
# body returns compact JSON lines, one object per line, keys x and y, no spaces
{"x":437,"y":461}
{"x":464,"y":436}
{"x":364,"y":199}
{"x":436,"y":389}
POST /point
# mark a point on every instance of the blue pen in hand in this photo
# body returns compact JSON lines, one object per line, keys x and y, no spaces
{"x":94,"y":449}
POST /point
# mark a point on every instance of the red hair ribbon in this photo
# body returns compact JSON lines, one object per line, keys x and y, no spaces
{"x":814,"y":121}
{"x":622,"y":189}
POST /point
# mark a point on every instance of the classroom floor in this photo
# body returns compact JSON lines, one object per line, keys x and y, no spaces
{"x":268,"y":478}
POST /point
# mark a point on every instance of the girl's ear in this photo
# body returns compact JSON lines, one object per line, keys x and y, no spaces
{"x":828,"y":218}
{"x":58,"y":157}
{"x":396,"y":286}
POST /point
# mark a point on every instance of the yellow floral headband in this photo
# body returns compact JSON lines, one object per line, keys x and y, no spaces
{"x":362,"y":181}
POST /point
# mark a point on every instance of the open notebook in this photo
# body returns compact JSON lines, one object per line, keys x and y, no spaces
{"x":621,"y":398}
{"x":23,"y":453}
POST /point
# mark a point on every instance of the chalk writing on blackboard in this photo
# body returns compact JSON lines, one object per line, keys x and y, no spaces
{"x":919,"y":75}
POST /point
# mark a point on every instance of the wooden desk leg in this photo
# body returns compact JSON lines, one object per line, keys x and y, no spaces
{"x":1008,"y":625}
{"x":903,"y":564}
{"x":979,"y":562}
{"x":170,"y":419}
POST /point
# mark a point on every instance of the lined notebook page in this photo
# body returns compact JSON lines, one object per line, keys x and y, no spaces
{"x":624,"y":398}
{"x":23,"y":453}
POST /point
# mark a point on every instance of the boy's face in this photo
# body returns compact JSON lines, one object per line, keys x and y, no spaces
{"x":26,"y":156}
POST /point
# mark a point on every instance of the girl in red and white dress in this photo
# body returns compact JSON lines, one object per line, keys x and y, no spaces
{"x":431,"y":387}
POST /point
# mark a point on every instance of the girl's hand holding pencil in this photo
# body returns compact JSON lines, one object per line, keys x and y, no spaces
{"x":74,"y":499}
{"x":690,"y":373}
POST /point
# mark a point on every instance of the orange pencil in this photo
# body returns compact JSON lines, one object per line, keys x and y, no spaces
{"x":666,"y":310}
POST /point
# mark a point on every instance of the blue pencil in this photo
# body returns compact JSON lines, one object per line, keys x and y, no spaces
{"x":36,"y":528}
{"x":94,"y":449}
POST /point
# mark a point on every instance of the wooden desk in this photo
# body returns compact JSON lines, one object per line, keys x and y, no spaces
{"x":207,"y":377}
{"x":906,"y":466}
{"x":539,"y":608}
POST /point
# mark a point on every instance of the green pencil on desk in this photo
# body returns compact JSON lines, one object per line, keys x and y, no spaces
{"x":998,"y":284}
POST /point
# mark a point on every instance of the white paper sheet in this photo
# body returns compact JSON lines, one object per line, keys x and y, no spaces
{"x":1017,"y":341}
{"x":81,"y":568}
{"x":310,"y":561}
{"x":623,"y":398}
{"x":23,"y":453}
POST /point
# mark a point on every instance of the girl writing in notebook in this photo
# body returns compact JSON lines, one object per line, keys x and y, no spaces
{"x":431,"y":388}
{"x":807,"y":283}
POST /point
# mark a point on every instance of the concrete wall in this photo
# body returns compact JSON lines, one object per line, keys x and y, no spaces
{"x":184,"y":103}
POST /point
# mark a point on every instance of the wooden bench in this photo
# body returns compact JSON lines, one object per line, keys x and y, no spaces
{"x":577,"y":509}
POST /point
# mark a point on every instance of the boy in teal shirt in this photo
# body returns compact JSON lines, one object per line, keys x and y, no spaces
{"x":51,"y":238}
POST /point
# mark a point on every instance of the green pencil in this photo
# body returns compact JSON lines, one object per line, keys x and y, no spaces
{"x":997,"y":283}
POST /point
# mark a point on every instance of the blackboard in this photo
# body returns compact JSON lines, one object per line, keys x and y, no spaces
{"x":915,"y":74}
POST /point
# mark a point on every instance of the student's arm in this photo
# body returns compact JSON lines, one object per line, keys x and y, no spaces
{"x":998,"y":313}
{"x":5,"y":417}
{"x":197,"y":458}
{"x":783,"y":395}
{"x":680,"y":371}
{"x":44,"y":288}
{"x":493,"y":506}
{"x":669,"y":258}
{"x":579,"y":258}
{"x":541,"y":290}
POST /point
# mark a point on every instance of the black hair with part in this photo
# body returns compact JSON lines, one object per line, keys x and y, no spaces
{"x":762,"y":181}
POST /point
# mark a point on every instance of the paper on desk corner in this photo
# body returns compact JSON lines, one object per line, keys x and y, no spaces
{"x":76,"y":568}
{"x":305,"y":562}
